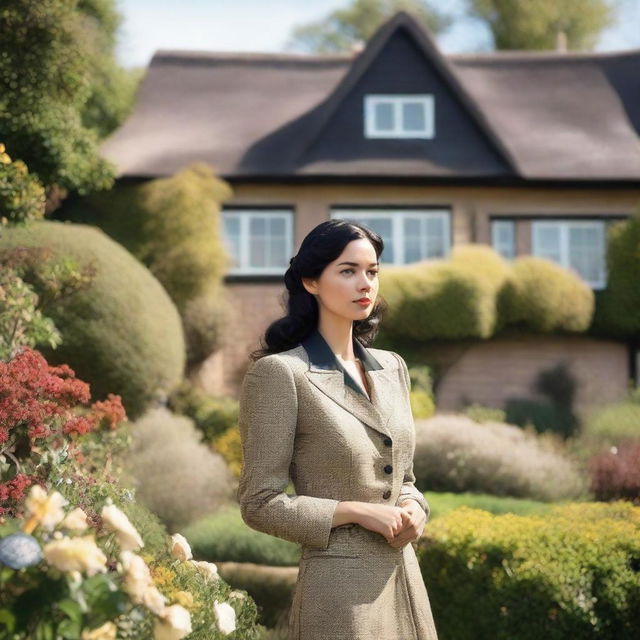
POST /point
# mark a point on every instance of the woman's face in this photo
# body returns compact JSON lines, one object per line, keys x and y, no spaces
{"x":351,"y":276}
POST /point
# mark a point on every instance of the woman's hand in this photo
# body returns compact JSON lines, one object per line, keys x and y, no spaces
{"x":414,"y":520}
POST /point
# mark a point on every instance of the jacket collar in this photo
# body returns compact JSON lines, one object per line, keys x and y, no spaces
{"x":326,"y":373}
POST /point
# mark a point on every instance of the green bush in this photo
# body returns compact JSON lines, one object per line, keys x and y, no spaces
{"x":172,"y":225}
{"x":480,"y":413}
{"x":617,"y":312}
{"x":543,"y":297}
{"x":212,"y":415}
{"x":573,"y":572}
{"x":122,"y":334}
{"x":449,"y":299}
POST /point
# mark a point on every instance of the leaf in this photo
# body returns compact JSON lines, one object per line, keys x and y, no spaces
{"x":7,"y":619}
{"x":72,"y":609}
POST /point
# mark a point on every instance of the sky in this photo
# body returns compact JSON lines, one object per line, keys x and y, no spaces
{"x":265,"y":26}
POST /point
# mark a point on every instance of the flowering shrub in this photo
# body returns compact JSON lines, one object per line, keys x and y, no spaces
{"x":43,"y":409}
{"x":64,"y":578}
{"x":616,"y":473}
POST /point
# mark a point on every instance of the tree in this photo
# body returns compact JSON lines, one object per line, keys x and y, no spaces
{"x":345,"y":28}
{"x":538,"y":24}
{"x":53,"y":56}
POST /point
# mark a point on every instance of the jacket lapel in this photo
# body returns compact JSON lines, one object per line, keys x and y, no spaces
{"x":326,"y":373}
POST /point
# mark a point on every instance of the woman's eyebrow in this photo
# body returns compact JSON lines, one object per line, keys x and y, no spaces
{"x":355,"y":264}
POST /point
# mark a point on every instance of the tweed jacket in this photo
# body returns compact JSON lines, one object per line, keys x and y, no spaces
{"x":304,"y":419}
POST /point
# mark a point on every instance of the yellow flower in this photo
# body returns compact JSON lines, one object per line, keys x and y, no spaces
{"x":180,"y":547}
{"x":184,"y":598}
{"x":174,"y":624}
{"x":76,"y":554}
{"x":225,"y":616}
{"x":115,"y":520}
{"x":45,"y":510}
{"x":107,"y":631}
{"x":75,"y":520}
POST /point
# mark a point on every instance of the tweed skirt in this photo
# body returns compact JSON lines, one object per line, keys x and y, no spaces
{"x":369,"y":591}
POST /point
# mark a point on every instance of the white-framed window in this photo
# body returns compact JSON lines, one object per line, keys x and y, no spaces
{"x":399,"y":116}
{"x":260,"y":241}
{"x":409,"y":235}
{"x":579,"y":245}
{"x":503,"y":238}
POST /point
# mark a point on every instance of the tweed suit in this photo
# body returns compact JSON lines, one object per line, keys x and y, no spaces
{"x":303,"y":418}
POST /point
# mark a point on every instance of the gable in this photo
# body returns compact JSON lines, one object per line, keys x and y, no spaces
{"x":458,"y":147}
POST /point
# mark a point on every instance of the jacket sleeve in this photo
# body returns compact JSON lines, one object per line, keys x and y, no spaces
{"x":409,"y":489}
{"x":268,"y":416}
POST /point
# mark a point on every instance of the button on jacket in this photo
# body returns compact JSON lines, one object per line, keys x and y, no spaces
{"x":303,"y":417}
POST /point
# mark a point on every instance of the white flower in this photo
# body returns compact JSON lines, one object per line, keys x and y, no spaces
{"x":107,"y":631}
{"x":139,"y":584}
{"x":225,"y":616}
{"x":208,"y":569}
{"x":237,"y":594}
{"x":45,"y":510}
{"x":75,"y":520}
{"x":126,"y":533}
{"x":173,"y":624}
{"x":180,"y":547}
{"x":76,"y":554}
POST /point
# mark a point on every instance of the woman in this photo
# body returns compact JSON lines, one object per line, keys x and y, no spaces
{"x":320,"y":408}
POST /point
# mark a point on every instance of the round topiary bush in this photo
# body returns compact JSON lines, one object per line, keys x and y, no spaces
{"x":122,"y":334}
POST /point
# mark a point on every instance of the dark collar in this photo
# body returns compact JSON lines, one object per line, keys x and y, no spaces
{"x":321,"y":356}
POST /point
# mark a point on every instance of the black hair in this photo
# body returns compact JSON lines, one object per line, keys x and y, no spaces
{"x":322,"y":245}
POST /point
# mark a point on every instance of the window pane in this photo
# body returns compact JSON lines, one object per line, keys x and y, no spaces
{"x":547,"y":242}
{"x":277,"y":257}
{"x":413,"y":240}
{"x":503,"y":238}
{"x":257,"y":242}
{"x":231,"y":228}
{"x":382,"y":226}
{"x":384,"y":116}
{"x":413,"y":116}
{"x":586,"y":253}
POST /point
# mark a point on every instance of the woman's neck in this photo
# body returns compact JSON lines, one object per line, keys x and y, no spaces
{"x":339,"y":337}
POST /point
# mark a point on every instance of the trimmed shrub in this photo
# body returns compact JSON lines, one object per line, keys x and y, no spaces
{"x":172,"y":225}
{"x":542,"y":296}
{"x":454,"y":453}
{"x":573,"y":572}
{"x":177,"y":477}
{"x":445,"y":299}
{"x":122,"y":334}
{"x":480,"y":413}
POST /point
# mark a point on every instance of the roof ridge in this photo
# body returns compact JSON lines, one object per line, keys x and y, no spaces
{"x":517,"y":55}
{"x":198,"y":54}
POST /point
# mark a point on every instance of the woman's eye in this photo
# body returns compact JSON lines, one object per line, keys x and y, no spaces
{"x":345,"y":270}
{"x":373,"y":271}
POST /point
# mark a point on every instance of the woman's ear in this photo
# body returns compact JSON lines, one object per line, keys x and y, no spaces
{"x":310,"y":285}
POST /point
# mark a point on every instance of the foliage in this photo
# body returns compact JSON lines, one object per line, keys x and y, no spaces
{"x":21,"y":195}
{"x":212,"y":415}
{"x":571,"y":572}
{"x":43,"y":409}
{"x":618,"y":306}
{"x":615,"y":474}
{"x":46,"y":62}
{"x":122,"y":333}
{"x":176,"y":475}
{"x":535,"y":24}
{"x":22,"y":311}
{"x":421,"y":396}
{"x":543,"y":297}
{"x":112,"y":87}
{"x":454,"y":453}
{"x":479,"y":413}
{"x":445,"y":299}
{"x":229,"y":446}
{"x":356,"y":23}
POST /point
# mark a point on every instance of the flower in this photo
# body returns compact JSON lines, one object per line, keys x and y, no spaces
{"x":107,"y":631}
{"x":75,"y":520}
{"x":173,"y":624}
{"x":76,"y":554}
{"x":225,"y":616}
{"x":208,"y":569}
{"x":180,"y":548}
{"x":45,"y":510}
{"x":139,"y":584}
{"x":126,"y":533}
{"x":237,"y":594}
{"x":185,"y":598}
{"x":20,"y":550}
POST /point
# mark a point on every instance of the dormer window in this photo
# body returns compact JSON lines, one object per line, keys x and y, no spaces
{"x":399,"y":116}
